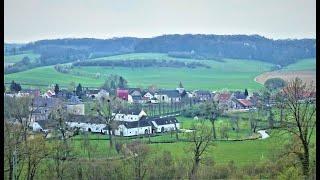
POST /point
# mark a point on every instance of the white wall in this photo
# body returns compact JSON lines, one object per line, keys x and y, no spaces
{"x":125,"y":117}
{"x":167,"y":127}
{"x":132,"y":131}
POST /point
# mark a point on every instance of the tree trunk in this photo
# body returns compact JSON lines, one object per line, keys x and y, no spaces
{"x":10,"y":169}
{"x":110,"y":135}
{"x":195,"y":167}
{"x":305,"y":161}
{"x":213,"y":129}
{"x":281,"y":115}
{"x":177,"y":136}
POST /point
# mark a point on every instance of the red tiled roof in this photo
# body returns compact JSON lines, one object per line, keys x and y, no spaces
{"x":224,"y":97}
{"x":245,"y":102}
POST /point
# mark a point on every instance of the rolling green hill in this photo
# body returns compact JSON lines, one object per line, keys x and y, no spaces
{"x":19,"y":57}
{"x":231,"y":74}
{"x":304,"y":64}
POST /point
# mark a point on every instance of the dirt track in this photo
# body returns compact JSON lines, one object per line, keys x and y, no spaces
{"x":306,"y":76}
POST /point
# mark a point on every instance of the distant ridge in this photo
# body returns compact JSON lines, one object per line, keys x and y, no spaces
{"x":199,"y":46}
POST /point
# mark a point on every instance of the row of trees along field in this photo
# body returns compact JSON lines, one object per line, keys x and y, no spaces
{"x":29,"y":155}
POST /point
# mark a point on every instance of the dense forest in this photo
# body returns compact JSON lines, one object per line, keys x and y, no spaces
{"x":217,"y":47}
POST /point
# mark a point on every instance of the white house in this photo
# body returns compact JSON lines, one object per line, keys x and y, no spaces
{"x":165,"y":124}
{"x":148,"y":96}
{"x":49,"y":94}
{"x":134,"y":128}
{"x":129,"y":115}
{"x":168,"y":96}
{"x":86,"y":123}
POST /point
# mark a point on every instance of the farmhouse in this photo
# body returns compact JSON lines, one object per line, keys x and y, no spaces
{"x":43,"y":126}
{"x":32,"y":92}
{"x":49,"y":94}
{"x":148,"y":96}
{"x":134,"y":128}
{"x":224,"y":99}
{"x":168,"y":96}
{"x":239,"y":95}
{"x":42,"y":107}
{"x":241,"y":103}
{"x":86,"y":123}
{"x":92,"y":93}
{"x":75,"y":106}
{"x":135,"y":99}
{"x":135,"y":96}
{"x":164,"y":124}
{"x":203,"y":95}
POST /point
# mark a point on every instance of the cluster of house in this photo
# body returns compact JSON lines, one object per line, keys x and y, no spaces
{"x":133,"y":122}
{"x":129,"y":123}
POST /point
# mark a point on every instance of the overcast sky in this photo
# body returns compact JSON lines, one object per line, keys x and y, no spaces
{"x":30,"y":20}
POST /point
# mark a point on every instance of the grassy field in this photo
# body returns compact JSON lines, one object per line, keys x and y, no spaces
{"x":305,"y":64}
{"x":241,"y":152}
{"x":231,"y":74}
{"x":19,"y":57}
{"x":304,"y":69}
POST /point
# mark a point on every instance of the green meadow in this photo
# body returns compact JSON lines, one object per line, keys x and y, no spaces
{"x":19,"y":57}
{"x":304,"y":64}
{"x":231,"y":74}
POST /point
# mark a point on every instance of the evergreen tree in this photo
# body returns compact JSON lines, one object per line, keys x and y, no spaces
{"x":79,"y":90}
{"x":12,"y":86}
{"x":18,"y":87}
{"x":180,"y":85}
{"x":56,"y":89}
{"x":246,"y":92}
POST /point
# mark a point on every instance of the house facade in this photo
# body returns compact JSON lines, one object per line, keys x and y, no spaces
{"x":165,"y":124}
{"x":129,"y":115}
{"x":168,"y":96}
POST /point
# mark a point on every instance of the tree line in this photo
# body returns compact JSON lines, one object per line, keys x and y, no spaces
{"x":255,"y":47}
{"x":141,"y":63}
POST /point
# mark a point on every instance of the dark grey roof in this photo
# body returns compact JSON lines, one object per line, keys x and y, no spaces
{"x":74,"y":100}
{"x":85,"y":119}
{"x":239,"y":95}
{"x":93,"y":91}
{"x":128,"y":111}
{"x":203,"y":93}
{"x":135,"y":124}
{"x":170,"y":93}
{"x":47,"y":124}
{"x":45,"y":102}
{"x":134,"y":89}
{"x":164,"y":120}
{"x":136,"y":98}
{"x":30,"y":90}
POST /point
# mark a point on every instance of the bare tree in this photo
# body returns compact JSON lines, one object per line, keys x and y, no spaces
{"x":36,"y":151}
{"x":140,"y":153}
{"x":301,"y":109}
{"x":211,"y":111}
{"x":201,"y":138}
{"x":107,"y":108}
{"x":13,"y":150}
{"x":280,"y":104}
{"x":19,"y":109}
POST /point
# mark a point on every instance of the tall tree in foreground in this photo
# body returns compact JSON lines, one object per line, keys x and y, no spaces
{"x":201,"y":138}
{"x":301,"y":109}
{"x":211,"y":111}
{"x":106,"y":109}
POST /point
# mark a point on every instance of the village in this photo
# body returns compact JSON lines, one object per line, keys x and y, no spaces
{"x":147,"y":111}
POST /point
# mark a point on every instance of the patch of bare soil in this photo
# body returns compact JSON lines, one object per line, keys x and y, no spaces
{"x":306,"y":76}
